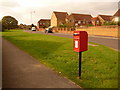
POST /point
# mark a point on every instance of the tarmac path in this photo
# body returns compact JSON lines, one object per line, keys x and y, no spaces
{"x":20,"y":70}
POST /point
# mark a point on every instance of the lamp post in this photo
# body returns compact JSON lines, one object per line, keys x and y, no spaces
{"x":31,"y":15}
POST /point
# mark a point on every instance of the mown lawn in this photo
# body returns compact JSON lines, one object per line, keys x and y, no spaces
{"x":99,"y":63}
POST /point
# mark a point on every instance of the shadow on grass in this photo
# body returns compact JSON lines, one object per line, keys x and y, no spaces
{"x":38,"y":48}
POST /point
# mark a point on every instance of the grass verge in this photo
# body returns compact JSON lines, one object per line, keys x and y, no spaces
{"x":99,"y":64}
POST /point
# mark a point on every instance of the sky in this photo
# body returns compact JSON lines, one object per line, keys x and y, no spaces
{"x":30,"y":11}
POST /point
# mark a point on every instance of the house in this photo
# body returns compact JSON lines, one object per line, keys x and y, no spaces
{"x":43,"y":23}
{"x":58,"y":18}
{"x":96,"y":21}
{"x":101,"y":19}
{"x":78,"y":19}
{"x":104,"y":18}
{"x":24,"y":26}
{"x":116,"y":16}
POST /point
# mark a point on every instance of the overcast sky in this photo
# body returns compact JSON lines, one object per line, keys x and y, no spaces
{"x":21,"y":9}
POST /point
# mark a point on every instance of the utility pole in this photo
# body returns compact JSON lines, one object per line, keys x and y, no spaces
{"x":31,"y":15}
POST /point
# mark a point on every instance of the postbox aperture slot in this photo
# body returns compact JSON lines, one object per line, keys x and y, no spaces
{"x":76,"y":34}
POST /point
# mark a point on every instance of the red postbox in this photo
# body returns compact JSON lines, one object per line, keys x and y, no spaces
{"x":80,"y":41}
{"x":80,"y":45}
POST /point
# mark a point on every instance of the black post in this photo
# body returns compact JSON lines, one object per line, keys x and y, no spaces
{"x":80,"y":58}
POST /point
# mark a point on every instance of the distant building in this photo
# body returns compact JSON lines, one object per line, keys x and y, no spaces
{"x":101,"y":19}
{"x":104,"y":18}
{"x":24,"y":26}
{"x":43,"y":23}
{"x":116,"y":16}
{"x":96,"y":21}
{"x":58,"y":18}
{"x":78,"y":19}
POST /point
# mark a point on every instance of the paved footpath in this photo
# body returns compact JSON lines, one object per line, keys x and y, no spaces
{"x":21,"y":70}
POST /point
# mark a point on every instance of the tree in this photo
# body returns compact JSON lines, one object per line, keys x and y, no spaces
{"x":0,"y":25}
{"x":32,"y":25}
{"x":9,"y":22}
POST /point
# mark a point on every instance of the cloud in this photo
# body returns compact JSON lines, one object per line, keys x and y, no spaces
{"x":20,"y":9}
{"x":119,"y":4}
{"x":104,"y":8}
{"x":9,"y":4}
{"x":93,"y":8}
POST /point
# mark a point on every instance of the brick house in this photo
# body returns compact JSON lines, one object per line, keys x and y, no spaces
{"x":96,"y":21}
{"x":24,"y":26}
{"x":78,"y":19}
{"x":58,"y":18}
{"x":43,"y":23}
{"x":101,"y":19}
{"x":116,"y":16}
{"x":104,"y":18}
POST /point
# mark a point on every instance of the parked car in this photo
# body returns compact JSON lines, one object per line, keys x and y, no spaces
{"x":33,"y":29}
{"x":49,"y":29}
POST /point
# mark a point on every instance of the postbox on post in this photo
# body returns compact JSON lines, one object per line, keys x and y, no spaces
{"x":80,"y":41}
{"x":80,"y":45}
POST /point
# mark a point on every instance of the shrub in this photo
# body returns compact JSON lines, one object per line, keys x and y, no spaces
{"x":90,"y":25}
{"x":110,"y":23}
{"x":62,"y":25}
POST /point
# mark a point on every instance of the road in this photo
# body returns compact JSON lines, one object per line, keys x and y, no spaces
{"x":107,"y":41}
{"x":20,"y":70}
{"x":111,"y":42}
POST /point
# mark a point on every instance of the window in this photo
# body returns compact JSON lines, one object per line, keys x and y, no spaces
{"x":116,"y":19}
{"x":60,"y":23}
{"x":83,"y":22}
{"x":87,"y":22}
{"x":71,"y":21}
{"x":97,"y":22}
{"x":76,"y":24}
{"x":79,"y":22}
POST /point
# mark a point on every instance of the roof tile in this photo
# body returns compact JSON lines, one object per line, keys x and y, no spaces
{"x":82,"y":16}
{"x":61,"y":15}
{"x":117,"y":13}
